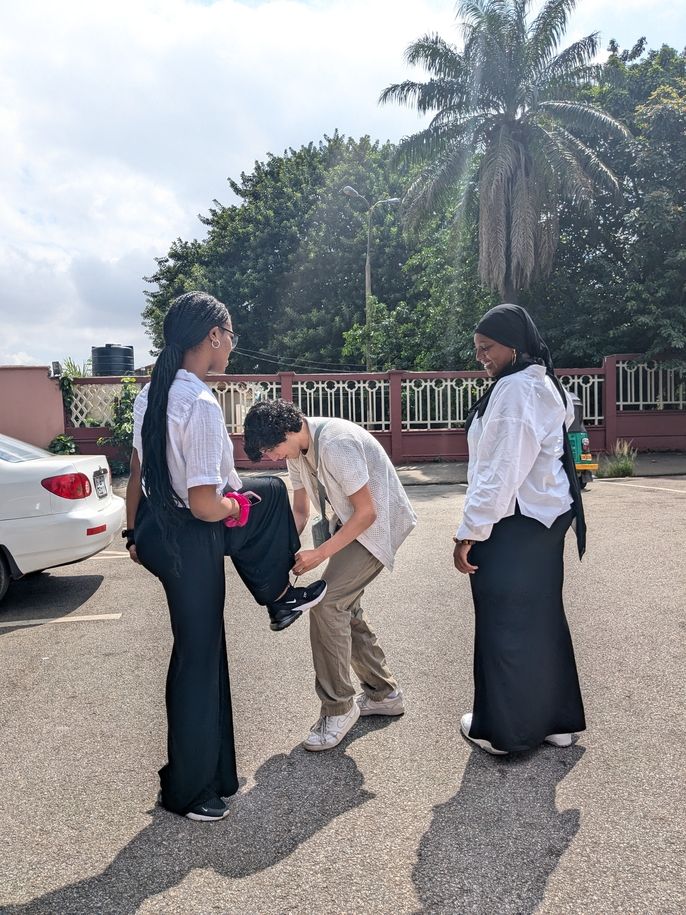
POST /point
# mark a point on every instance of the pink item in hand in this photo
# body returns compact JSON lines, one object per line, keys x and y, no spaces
{"x":244,"y":505}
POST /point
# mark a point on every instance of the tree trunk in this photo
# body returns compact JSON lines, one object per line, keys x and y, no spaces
{"x":510,"y":293}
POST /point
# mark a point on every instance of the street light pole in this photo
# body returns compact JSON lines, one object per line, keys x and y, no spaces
{"x":351,"y":192}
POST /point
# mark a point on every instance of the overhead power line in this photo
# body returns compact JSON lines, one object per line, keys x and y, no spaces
{"x":299,"y":363}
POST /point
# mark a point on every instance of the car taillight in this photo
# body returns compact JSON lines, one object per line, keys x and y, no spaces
{"x":585,"y":445}
{"x":68,"y":485}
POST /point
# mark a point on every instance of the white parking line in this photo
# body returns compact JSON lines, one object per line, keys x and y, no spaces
{"x":641,"y":486}
{"x":7,"y":624}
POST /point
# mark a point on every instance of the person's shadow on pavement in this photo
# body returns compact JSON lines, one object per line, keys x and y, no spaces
{"x":293,"y":797}
{"x":493,"y":846}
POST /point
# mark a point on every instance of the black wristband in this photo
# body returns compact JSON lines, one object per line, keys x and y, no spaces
{"x":127,"y":534}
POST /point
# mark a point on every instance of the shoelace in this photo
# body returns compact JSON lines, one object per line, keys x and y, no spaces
{"x":319,"y":727}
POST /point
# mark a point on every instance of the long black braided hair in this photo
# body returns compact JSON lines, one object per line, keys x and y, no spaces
{"x":189,"y":320}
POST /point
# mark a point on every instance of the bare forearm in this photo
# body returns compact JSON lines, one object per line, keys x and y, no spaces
{"x":300,"y":521}
{"x":133,"y":498}
{"x":134,"y":489}
{"x":219,"y":509}
{"x":301,"y":509}
{"x":353,"y":527}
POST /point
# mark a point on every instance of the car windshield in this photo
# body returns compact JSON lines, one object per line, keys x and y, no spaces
{"x":15,"y":452}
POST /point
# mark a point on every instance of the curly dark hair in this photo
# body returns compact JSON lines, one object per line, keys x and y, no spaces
{"x":266,"y":424}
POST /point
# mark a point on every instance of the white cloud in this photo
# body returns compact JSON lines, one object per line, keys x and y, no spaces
{"x":119,"y":123}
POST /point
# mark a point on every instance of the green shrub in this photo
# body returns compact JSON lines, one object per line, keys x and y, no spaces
{"x":62,"y":444}
{"x":620,"y":462}
{"x":119,"y":468}
{"x":121,"y":427}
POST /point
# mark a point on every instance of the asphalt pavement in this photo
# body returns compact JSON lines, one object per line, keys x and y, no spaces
{"x":404,"y":816}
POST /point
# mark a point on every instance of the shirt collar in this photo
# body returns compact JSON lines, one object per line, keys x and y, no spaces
{"x":190,"y":378}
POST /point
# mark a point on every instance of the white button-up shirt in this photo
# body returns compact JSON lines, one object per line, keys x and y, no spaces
{"x":514,"y":455}
{"x":350,"y":458}
{"x":199,"y":450}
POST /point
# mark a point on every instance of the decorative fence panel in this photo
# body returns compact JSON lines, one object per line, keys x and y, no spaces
{"x":236,"y":398}
{"x":364,"y":401}
{"x":438,"y":401}
{"x":649,"y":386}
{"x":93,"y":402}
{"x":421,"y":415}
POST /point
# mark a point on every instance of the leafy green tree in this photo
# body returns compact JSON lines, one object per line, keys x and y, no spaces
{"x":288,"y":259}
{"x":288,"y":255}
{"x":323,"y":294}
{"x":619,"y":276}
{"x":656,"y":288}
{"x":506,"y":127}
{"x":248,"y":250}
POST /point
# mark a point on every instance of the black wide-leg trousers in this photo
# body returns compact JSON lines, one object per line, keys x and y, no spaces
{"x":200,"y":745}
{"x":263,"y":551}
{"x":525,"y":679}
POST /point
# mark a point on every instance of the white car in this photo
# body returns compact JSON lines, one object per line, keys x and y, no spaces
{"x":54,"y":509}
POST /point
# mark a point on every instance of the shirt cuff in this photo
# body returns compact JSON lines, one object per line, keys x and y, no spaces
{"x":204,"y":481}
{"x":463,"y":533}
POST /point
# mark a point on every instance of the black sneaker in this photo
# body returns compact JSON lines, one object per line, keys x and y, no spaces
{"x":288,"y":608}
{"x":212,"y":809}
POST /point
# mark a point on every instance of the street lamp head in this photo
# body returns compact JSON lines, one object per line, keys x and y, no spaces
{"x":394,"y":200}
{"x":350,"y":191}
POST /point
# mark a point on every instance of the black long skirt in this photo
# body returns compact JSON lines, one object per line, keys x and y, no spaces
{"x":525,"y":679}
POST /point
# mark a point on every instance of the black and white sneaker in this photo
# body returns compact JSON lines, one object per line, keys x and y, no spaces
{"x":210,"y":810}
{"x":288,"y":608}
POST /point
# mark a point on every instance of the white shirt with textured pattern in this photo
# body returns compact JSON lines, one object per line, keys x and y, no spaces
{"x":349,"y":458}
{"x":199,"y":450}
{"x":514,"y":455}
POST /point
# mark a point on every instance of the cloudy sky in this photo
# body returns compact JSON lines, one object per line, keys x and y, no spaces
{"x":121,"y":121}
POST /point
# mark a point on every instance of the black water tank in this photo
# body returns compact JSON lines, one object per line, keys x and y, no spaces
{"x":112,"y":359}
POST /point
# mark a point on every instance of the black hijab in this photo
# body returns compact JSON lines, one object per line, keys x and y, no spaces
{"x":512,"y":326}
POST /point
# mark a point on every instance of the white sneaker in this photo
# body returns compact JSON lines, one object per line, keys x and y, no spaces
{"x":465,"y":725}
{"x":559,"y":740}
{"x":331,"y":729}
{"x":387,"y":706}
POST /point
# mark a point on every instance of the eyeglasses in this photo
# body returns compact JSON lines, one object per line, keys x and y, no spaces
{"x":482,"y":350}
{"x":234,"y":337}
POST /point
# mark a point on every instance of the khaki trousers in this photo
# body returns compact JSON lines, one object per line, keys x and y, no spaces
{"x":340,"y":637}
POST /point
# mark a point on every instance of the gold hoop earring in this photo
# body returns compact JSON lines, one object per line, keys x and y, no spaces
{"x":215,"y":344}
{"x":514,"y":357}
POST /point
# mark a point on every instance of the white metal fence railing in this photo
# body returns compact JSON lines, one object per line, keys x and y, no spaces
{"x":364,"y":401}
{"x":649,"y":386}
{"x":236,"y":398}
{"x":590,"y":390}
{"x":439,"y":403}
{"x":427,"y":402}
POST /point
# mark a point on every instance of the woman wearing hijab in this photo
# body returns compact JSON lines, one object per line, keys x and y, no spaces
{"x":522,"y":497}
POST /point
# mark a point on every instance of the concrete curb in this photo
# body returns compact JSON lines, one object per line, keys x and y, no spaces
{"x":651,"y":464}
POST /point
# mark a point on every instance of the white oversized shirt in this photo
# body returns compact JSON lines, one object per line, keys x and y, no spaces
{"x":199,"y":450}
{"x":514,"y":455}
{"x":350,"y":458}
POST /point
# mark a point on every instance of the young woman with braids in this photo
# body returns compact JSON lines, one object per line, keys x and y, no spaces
{"x":185,"y":512}
{"x":522,"y":497}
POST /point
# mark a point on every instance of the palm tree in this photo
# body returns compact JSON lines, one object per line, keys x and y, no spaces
{"x":507,"y":126}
